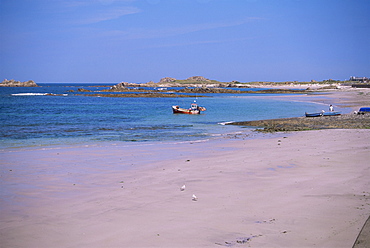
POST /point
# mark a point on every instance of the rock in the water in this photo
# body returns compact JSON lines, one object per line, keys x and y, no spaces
{"x":13,"y":83}
{"x":122,"y":85}
{"x":83,"y":90}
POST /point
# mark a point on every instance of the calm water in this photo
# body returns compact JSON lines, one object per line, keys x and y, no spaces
{"x":29,"y":118}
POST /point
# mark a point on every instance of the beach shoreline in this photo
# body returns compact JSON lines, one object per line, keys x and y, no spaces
{"x":300,"y":189}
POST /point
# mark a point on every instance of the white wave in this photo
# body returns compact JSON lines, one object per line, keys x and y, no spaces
{"x":225,"y":123}
{"x":38,"y":94}
{"x":30,"y":94}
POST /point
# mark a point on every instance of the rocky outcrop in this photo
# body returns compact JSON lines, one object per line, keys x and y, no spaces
{"x":83,"y":90}
{"x":198,"y":79}
{"x":167,"y":80}
{"x":13,"y":83}
{"x":120,"y":86}
{"x":207,"y":90}
{"x":347,"y":121}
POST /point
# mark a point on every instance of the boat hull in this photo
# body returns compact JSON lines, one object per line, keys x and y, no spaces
{"x":331,"y":113}
{"x":313,"y":114}
{"x":178,"y":110}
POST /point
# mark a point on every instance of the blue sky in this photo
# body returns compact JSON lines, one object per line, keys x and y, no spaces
{"x":144,"y":40}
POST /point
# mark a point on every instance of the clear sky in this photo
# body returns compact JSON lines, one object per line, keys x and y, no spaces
{"x":144,"y":40}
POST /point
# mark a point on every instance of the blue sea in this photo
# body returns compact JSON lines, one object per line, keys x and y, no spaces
{"x":29,"y":118}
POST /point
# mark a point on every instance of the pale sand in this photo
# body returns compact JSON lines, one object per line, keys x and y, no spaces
{"x":305,"y":189}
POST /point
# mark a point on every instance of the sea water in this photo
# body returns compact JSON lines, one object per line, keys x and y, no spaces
{"x":29,"y":116}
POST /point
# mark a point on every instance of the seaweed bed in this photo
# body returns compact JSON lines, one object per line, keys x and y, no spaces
{"x":347,"y":121}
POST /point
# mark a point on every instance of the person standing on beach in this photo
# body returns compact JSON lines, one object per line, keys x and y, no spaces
{"x":331,"y":108}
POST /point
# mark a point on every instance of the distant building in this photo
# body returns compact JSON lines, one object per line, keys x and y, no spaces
{"x":362,"y":79}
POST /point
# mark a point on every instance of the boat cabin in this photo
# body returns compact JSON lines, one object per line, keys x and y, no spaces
{"x":194,"y":106}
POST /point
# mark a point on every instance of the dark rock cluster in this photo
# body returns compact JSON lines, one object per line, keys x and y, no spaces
{"x":83,"y":90}
{"x":207,"y":90}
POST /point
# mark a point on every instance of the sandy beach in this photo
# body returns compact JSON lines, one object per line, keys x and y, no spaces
{"x":296,"y":189}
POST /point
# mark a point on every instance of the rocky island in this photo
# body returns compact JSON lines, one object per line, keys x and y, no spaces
{"x":194,"y":81}
{"x":202,"y":82}
{"x":13,"y":83}
{"x":195,"y":84}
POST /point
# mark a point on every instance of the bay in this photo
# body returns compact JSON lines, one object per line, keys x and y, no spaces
{"x":29,"y":118}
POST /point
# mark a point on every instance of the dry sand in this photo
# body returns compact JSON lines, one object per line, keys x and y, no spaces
{"x":304,"y":189}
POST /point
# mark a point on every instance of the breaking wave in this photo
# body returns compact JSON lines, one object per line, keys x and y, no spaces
{"x":30,"y":94}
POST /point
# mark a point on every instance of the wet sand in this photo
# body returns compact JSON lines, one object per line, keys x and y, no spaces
{"x":298,"y":189}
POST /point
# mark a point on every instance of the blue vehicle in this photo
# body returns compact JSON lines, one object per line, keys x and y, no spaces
{"x":363,"y":111}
